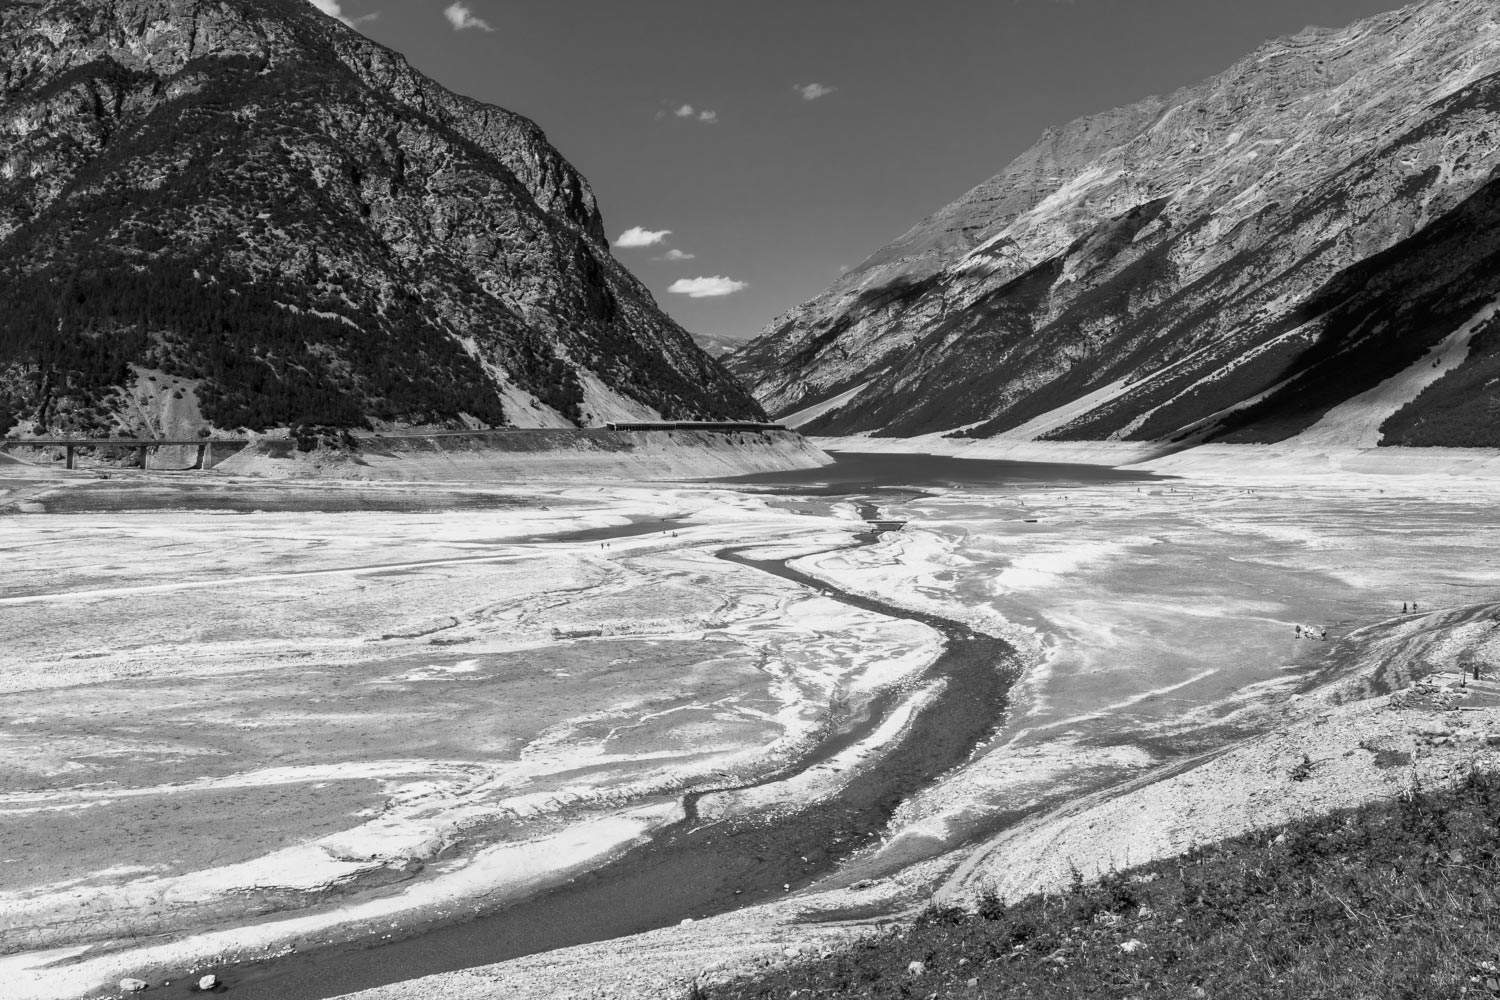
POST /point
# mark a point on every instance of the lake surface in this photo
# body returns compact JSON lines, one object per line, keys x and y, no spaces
{"x":854,"y":471}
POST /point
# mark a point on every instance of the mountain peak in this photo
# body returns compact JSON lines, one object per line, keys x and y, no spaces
{"x":256,"y":198}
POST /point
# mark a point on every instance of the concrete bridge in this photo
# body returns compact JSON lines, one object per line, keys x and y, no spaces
{"x":144,"y":446}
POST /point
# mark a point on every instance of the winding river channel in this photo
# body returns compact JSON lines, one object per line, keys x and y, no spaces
{"x":693,"y":869}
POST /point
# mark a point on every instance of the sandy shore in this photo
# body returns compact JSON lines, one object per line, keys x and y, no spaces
{"x":590,"y":456}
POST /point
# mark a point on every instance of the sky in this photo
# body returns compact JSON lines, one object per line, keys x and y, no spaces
{"x":746,"y":152}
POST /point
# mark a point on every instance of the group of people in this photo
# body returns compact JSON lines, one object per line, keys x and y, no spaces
{"x":1308,"y":632}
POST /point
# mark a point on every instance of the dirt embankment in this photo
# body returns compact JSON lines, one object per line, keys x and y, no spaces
{"x":594,"y":454}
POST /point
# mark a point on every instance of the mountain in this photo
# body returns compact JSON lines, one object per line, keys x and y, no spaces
{"x":1306,"y":246}
{"x":281,"y":222}
{"x":716,"y":346}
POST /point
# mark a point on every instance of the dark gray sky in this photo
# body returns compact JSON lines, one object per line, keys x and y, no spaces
{"x":767,"y":188}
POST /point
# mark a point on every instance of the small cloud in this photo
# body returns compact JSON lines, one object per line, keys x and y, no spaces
{"x":335,"y":9}
{"x":813,"y":91}
{"x":676,"y":255}
{"x":707,"y":288}
{"x":689,"y":113}
{"x":463,"y":19}
{"x":637,"y":236}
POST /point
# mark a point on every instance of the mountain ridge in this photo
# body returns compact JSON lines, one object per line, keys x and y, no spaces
{"x":1210,"y":218}
{"x":258,"y":199}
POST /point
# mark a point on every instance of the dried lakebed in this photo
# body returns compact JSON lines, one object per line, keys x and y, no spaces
{"x":235,"y":728}
{"x":557,"y":675}
{"x":698,"y":867}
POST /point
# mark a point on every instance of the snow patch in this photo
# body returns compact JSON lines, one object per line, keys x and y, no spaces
{"x":1355,"y":423}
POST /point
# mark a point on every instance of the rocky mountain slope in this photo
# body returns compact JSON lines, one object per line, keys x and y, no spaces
{"x":251,"y":202}
{"x":1302,"y":247}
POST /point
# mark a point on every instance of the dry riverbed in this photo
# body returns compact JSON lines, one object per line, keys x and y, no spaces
{"x":278,"y":716}
{"x":1180,"y":690}
{"x":240,"y":720}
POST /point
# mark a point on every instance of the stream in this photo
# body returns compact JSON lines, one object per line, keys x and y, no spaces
{"x":694,"y":870}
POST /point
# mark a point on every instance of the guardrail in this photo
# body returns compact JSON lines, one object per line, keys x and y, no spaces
{"x":696,"y":425}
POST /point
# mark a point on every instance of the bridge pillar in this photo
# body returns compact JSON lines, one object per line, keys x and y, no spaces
{"x":145,"y":458}
{"x":68,"y":460}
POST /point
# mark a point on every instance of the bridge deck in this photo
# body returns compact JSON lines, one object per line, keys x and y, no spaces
{"x":116,"y":442}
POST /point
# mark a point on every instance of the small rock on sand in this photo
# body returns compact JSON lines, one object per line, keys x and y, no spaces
{"x":208,"y":982}
{"x":132,"y":985}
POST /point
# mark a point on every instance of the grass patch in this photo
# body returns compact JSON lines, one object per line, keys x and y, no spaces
{"x":1399,"y":899}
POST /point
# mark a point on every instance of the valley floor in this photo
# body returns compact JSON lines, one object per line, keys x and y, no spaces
{"x":241,"y":718}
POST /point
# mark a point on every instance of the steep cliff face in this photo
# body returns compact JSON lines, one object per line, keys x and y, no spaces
{"x":1303,"y":246}
{"x":249,"y":195}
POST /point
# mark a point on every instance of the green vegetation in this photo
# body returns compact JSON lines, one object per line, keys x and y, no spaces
{"x":1392,"y":900}
{"x":73,"y":332}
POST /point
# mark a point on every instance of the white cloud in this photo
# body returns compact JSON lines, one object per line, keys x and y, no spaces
{"x":463,"y":19}
{"x":813,"y":91}
{"x":335,"y":9}
{"x":675,"y":254}
{"x":690,"y":113}
{"x":707,"y":288}
{"x":638,"y":236}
